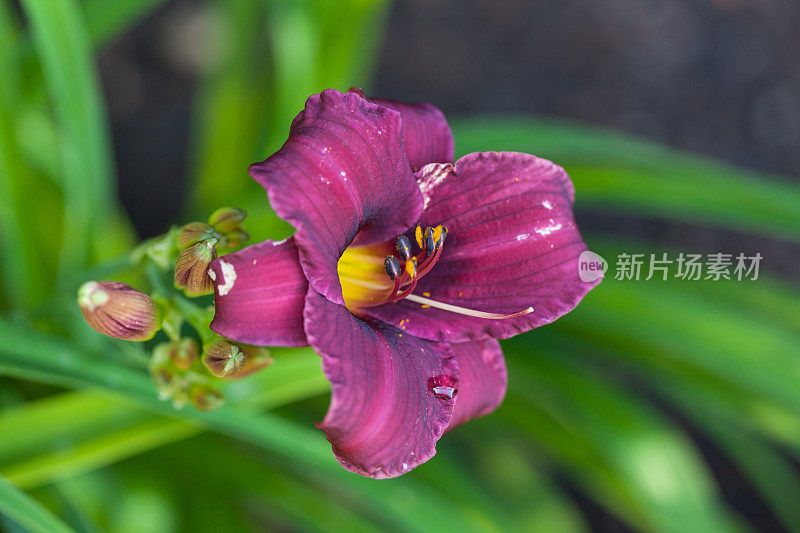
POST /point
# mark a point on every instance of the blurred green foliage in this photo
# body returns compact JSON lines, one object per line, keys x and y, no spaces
{"x":599,"y":402}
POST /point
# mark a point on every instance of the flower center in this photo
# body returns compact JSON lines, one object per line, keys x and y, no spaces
{"x":372,"y":275}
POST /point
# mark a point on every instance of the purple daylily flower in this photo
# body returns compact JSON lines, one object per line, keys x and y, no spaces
{"x":405,"y":321}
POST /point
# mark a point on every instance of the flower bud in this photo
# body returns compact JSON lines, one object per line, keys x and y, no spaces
{"x":257,"y":358}
{"x":194,"y":233}
{"x":191,"y":270}
{"x":118,"y":310}
{"x":227,"y":219}
{"x":234,"y":239}
{"x":205,"y":397}
{"x":183,"y":353}
{"x":223,"y":358}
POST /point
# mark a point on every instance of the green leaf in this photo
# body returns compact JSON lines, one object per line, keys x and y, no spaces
{"x":20,"y":268}
{"x":775,"y":478}
{"x":27,"y":512}
{"x":248,"y":102}
{"x":613,"y":443}
{"x":62,"y":43}
{"x":619,"y":173}
{"x":36,"y":356}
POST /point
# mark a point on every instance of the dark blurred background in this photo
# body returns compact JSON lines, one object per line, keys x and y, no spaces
{"x":718,"y":77}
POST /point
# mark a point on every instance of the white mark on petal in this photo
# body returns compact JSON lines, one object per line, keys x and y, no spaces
{"x":444,"y":391}
{"x":547,"y":230}
{"x":405,"y":466}
{"x":229,"y":273}
{"x":547,"y":204}
{"x":523,"y":236}
{"x":435,"y":174}
{"x":212,"y":275}
{"x":278,"y":243}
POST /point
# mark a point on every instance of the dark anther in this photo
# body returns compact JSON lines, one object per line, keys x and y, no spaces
{"x":440,"y":242}
{"x":430,"y":243}
{"x":403,"y":247}
{"x":392,"y":266}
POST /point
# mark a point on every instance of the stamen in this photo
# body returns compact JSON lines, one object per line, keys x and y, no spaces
{"x":430,"y":242}
{"x":418,"y":235}
{"x":427,"y":265}
{"x":440,"y":239}
{"x":365,"y":284}
{"x":463,"y":310}
{"x":392,"y":266}
{"x":403,"y":248}
{"x":411,"y":267}
{"x":437,"y":232}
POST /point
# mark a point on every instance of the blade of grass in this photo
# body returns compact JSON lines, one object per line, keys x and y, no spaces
{"x":62,"y":43}
{"x":20,"y":268}
{"x":774,"y":477}
{"x":102,"y":450}
{"x":49,"y":360}
{"x":727,"y":417}
{"x":27,"y":512}
{"x":37,"y":427}
{"x":64,"y":435}
{"x":651,"y":462}
{"x":615,"y":172}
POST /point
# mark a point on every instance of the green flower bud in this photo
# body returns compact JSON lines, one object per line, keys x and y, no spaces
{"x":234,"y":239}
{"x":257,"y":358}
{"x":183,"y":353}
{"x":191,"y":270}
{"x":194,"y":233}
{"x":118,"y":310}
{"x":227,"y":219}
{"x":223,"y":358}
{"x":205,"y":397}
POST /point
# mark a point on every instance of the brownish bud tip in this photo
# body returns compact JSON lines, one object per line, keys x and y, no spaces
{"x":184,"y":353}
{"x":195,"y":232}
{"x":224,"y":358}
{"x":118,"y":310}
{"x":257,"y":358}
{"x":205,"y":397}
{"x":234,"y":239}
{"x":227,"y":219}
{"x":191,"y":269}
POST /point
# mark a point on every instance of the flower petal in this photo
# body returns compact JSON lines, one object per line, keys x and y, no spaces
{"x":392,"y":394}
{"x":482,"y":379}
{"x":426,"y":134}
{"x":259,"y":294}
{"x":342,"y":171}
{"x":512,"y":244}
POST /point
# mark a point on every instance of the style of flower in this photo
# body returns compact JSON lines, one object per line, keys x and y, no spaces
{"x":404,"y":270}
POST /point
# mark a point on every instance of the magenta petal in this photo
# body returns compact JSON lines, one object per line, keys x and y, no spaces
{"x":482,"y":379}
{"x":259,"y":295}
{"x":342,"y":170}
{"x":513,"y":244}
{"x":392,"y":394}
{"x":426,"y":134}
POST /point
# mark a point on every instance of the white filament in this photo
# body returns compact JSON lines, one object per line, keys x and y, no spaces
{"x":463,"y":310}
